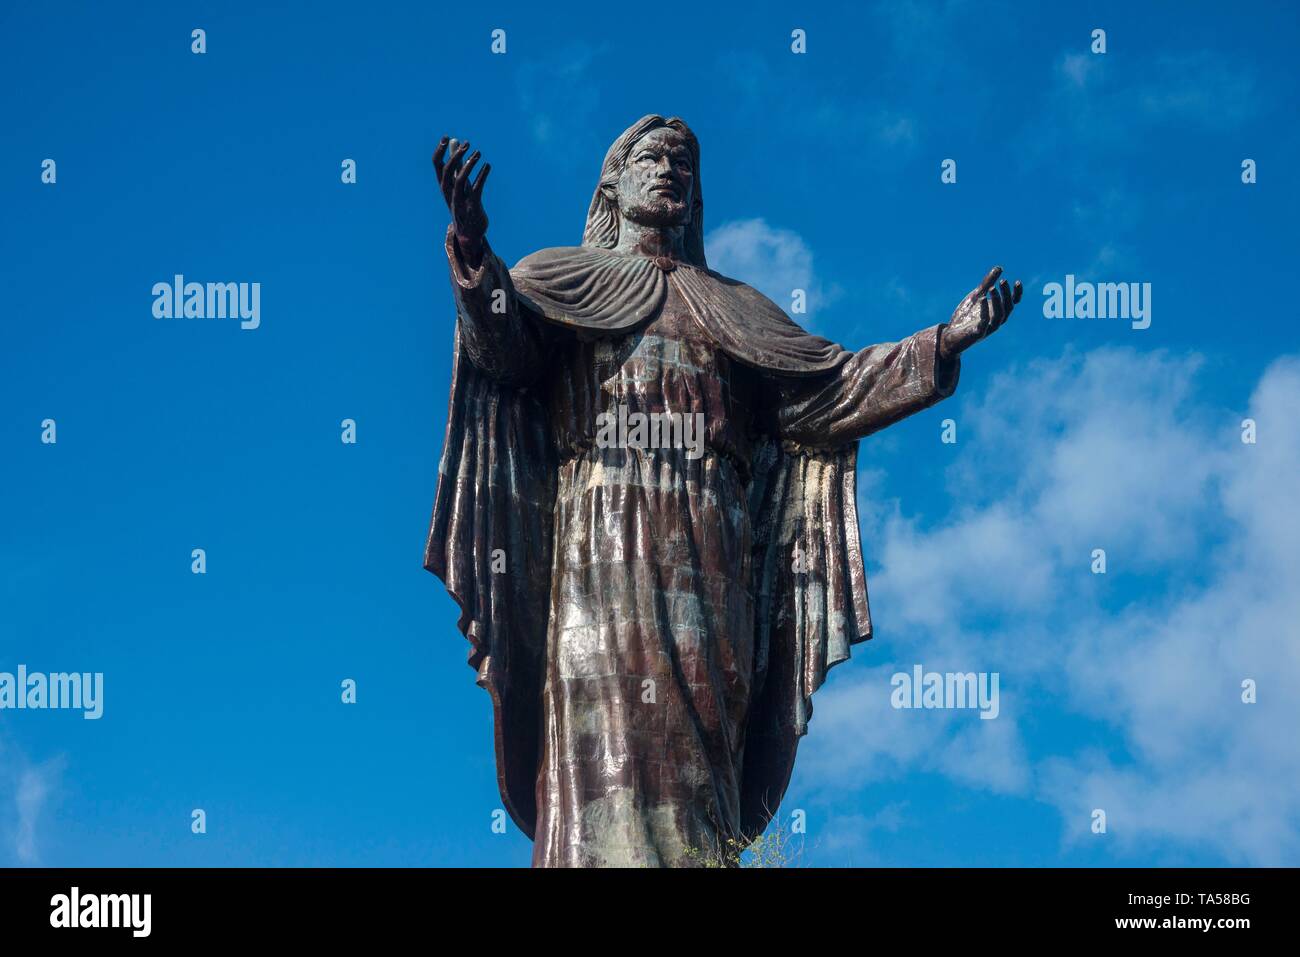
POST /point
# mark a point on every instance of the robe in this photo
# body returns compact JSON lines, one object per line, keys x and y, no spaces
{"x":651,"y":625}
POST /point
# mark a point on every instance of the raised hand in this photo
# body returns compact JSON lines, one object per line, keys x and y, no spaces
{"x":464,"y":198}
{"x":980,"y":314}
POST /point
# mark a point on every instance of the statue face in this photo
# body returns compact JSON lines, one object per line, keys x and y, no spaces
{"x":657,"y":185}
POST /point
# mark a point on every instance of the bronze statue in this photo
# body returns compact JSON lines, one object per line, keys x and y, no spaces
{"x":650,"y":623}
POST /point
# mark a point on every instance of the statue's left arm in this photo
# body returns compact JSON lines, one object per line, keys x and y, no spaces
{"x":881,"y":384}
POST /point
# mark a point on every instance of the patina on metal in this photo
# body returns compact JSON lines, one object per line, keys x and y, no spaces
{"x":651,"y":622}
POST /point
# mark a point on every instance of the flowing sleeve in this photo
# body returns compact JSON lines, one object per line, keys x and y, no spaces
{"x":810,"y":584}
{"x":875,"y":388}
{"x":494,"y":495}
{"x":499,"y":334}
{"x":491,"y":529}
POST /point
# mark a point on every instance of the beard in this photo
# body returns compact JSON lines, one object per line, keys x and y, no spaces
{"x":659,"y":211}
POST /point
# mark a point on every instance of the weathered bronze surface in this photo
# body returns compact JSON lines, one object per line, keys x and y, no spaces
{"x":652,"y":622}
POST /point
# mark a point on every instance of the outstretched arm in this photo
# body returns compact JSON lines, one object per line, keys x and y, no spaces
{"x":882,"y":384}
{"x":497,"y":335}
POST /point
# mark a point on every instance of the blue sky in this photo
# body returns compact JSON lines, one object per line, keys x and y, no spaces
{"x":820,"y":171}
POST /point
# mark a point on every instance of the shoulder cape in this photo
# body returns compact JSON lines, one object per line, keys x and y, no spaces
{"x":496,"y":489}
{"x":596,"y":289}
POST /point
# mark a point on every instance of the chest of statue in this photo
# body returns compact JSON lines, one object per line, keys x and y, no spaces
{"x":663,"y":385}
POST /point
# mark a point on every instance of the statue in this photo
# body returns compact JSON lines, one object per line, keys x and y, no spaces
{"x":651,"y":624}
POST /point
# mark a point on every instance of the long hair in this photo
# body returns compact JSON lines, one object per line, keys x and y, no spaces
{"x":603,"y":219}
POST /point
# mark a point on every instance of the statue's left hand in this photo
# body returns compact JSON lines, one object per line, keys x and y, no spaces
{"x":980,"y":314}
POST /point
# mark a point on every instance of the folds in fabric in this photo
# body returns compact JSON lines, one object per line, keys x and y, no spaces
{"x":605,"y":291}
{"x":810,"y":605}
{"x":492,"y":510}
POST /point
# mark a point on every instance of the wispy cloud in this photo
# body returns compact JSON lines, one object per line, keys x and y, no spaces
{"x":1098,"y":104}
{"x":850,"y":834}
{"x":1203,"y":88}
{"x":35,"y":784}
{"x":567,"y":76}
{"x":1111,"y":449}
{"x":25,"y":791}
{"x":1078,"y":68}
{"x":1098,"y":110}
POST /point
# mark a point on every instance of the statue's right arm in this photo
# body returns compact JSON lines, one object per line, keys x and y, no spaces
{"x":499,"y":333}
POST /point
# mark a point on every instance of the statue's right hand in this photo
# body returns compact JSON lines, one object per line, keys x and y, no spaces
{"x":464,"y":198}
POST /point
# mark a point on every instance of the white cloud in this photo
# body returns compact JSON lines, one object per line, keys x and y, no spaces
{"x":774,"y":261}
{"x":857,"y":737}
{"x":1211,"y":769}
{"x":1111,"y":449}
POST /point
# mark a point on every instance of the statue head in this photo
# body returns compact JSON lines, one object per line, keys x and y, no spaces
{"x":651,"y":176}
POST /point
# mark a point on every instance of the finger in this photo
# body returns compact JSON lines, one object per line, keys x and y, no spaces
{"x":452,"y":150}
{"x":477,"y":189}
{"x":468,"y":169}
{"x":985,"y":314}
{"x":438,"y":155}
{"x":1004,"y":293}
{"x":989,"y":280}
{"x":1018,"y":290}
{"x":440,"y":166}
{"x":457,"y":200}
{"x":453,"y":165}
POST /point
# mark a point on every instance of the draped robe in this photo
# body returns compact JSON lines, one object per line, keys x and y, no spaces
{"x":652,"y":626}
